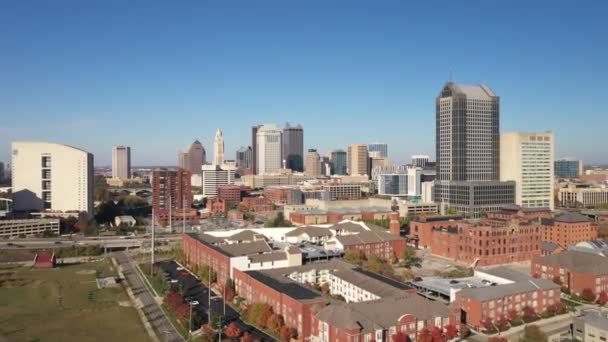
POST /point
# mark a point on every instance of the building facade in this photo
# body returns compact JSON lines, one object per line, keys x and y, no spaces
{"x":214,"y":176}
{"x":218,"y":148}
{"x":468,"y":150}
{"x":568,"y":168}
{"x":313,"y":163}
{"x":244,"y":157}
{"x":569,"y":229}
{"x":48,"y":176}
{"x":528,"y":159}
{"x":268,"y":149}
{"x":381,"y":148}
{"x":121,"y":162}
{"x":172,"y":194}
{"x":591,"y":326}
{"x":393,"y":184}
{"x":338,"y":161}
{"x":582,"y":195}
{"x":293,"y":147}
{"x":420,"y":160}
{"x":192,"y":158}
{"x":28,"y":227}
{"x":358,"y":159}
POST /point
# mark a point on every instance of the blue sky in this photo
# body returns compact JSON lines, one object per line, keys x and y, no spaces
{"x":155,"y":75}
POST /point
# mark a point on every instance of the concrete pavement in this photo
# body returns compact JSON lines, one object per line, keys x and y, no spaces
{"x":151,"y":309}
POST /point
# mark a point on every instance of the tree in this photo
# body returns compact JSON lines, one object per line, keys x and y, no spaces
{"x":498,"y":339}
{"x":437,"y":334}
{"x":588,"y":295}
{"x":603,"y":298}
{"x":487,"y":324}
{"x":464,"y":331}
{"x":92,"y":229}
{"x":378,"y":265}
{"x":424,"y":335}
{"x":246,"y":337}
{"x":409,"y":256}
{"x":355,"y":257}
{"x":232,"y":330}
{"x":325,"y":288}
{"x":274,"y":323}
{"x":451,"y":331}
{"x":134,"y":201}
{"x":278,"y":221}
{"x":512,"y":314}
{"x":532,"y":333}
{"x":528,"y":313}
{"x":288,"y":333}
{"x":264,"y":315}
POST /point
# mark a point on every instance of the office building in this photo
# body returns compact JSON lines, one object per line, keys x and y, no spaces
{"x":28,"y":227}
{"x":268,"y":149}
{"x":568,"y":168}
{"x":48,"y":176}
{"x":313,"y":163}
{"x":582,"y":195}
{"x":393,"y":184}
{"x":254,"y":148}
{"x":293,"y":147}
{"x":121,"y":162}
{"x":172,"y":194}
{"x":338,"y":161}
{"x":192,"y":158}
{"x":213,"y":176}
{"x":468,"y":151}
{"x":420,"y":160}
{"x":358,"y":159}
{"x":527,"y":159}
{"x":244,"y":157}
{"x":218,"y":148}
{"x":381,"y":148}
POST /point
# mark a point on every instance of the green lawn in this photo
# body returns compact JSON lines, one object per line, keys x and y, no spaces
{"x":64,"y":304}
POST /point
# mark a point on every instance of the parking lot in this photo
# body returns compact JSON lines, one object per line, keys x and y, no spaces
{"x":194,"y":290}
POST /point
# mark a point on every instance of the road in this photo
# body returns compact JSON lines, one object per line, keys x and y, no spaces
{"x":197,"y":291}
{"x":151,"y":309}
{"x":109,"y":242}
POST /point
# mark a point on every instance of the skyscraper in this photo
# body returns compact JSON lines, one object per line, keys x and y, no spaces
{"x":48,"y":176}
{"x":121,"y":162}
{"x":215,"y":176}
{"x":268,"y":149}
{"x":420,"y":160}
{"x":218,"y":148}
{"x":527,"y":159}
{"x":254,"y":148}
{"x":468,"y":150}
{"x":338,"y":162}
{"x":358,"y":159}
{"x":379,"y":147}
{"x":192,"y":158}
{"x":293,"y":147}
{"x":244,"y":158}
{"x":313,"y":163}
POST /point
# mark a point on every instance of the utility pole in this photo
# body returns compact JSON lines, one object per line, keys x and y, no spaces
{"x":152,"y":245}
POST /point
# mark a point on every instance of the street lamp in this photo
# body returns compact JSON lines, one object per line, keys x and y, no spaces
{"x":191,"y":304}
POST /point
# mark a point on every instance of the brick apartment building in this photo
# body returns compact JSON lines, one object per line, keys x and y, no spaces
{"x":256,"y":204}
{"x":381,"y":319}
{"x":569,"y":229}
{"x":575,"y":270}
{"x":284,"y":195}
{"x":422,"y":228}
{"x":367,"y":238}
{"x":509,"y":290}
{"x":232,"y":194}
{"x":318,"y":216}
{"x":172,"y":191}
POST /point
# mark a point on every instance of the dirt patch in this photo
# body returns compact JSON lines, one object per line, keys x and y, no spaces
{"x":86,"y":272}
{"x":35,"y":283}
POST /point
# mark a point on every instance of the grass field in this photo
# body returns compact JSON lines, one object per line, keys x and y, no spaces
{"x":64,"y":304}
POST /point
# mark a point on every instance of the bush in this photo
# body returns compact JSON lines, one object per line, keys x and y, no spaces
{"x":603,"y":298}
{"x":532,"y":333}
{"x":516,"y":322}
{"x":588,"y":295}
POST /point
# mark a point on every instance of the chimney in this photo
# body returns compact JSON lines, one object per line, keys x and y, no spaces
{"x":394,"y":226}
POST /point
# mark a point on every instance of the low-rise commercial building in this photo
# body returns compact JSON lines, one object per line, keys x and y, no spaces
{"x":232,"y":194}
{"x":575,"y":270}
{"x":583,"y":195}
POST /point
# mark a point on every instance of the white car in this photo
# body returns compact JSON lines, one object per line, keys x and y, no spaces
{"x":194,"y":302}
{"x":179,"y":268}
{"x":173,"y":281}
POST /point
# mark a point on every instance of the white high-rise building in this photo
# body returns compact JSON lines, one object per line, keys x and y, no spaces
{"x":218,"y":148}
{"x":420,"y":160}
{"x":215,"y":175}
{"x":313,"y":163}
{"x":48,"y":176}
{"x":268,"y":149}
{"x":528,"y":159}
{"x":121,"y":162}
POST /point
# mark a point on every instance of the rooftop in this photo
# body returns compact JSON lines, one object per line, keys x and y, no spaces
{"x":571,"y":217}
{"x":285,"y":285}
{"x":583,"y":262}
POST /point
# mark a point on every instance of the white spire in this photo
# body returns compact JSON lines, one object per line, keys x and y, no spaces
{"x":218,"y":148}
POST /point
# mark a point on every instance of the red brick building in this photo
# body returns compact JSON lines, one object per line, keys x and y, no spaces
{"x":321,"y":216}
{"x":256,"y":204}
{"x":569,"y":229}
{"x":172,"y":191}
{"x":423,"y":227}
{"x":381,"y":320}
{"x":367,"y":238}
{"x":510,"y":290}
{"x":232,"y":194}
{"x":575,"y":270}
{"x":283,"y":195}
{"x":295,"y":302}
{"x":215,"y":206}
{"x":515,"y":211}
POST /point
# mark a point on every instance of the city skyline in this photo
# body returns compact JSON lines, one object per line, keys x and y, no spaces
{"x":384,"y":73}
